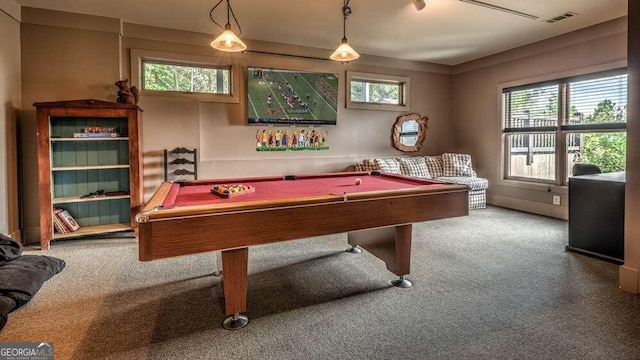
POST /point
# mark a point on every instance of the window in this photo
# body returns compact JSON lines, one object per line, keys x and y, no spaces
{"x":190,"y":78}
{"x":409,"y":132}
{"x":377,"y":92}
{"x":175,"y":75}
{"x":550,"y":126}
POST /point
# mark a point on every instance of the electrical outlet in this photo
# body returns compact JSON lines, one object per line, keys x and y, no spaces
{"x":556,"y":200}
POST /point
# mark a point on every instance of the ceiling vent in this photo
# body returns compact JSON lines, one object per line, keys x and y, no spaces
{"x":568,"y":14}
{"x":500,"y":8}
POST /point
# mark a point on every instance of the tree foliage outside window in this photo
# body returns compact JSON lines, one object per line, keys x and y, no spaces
{"x":185,"y":78}
{"x":607,"y":150}
{"x":357,"y":91}
{"x":375,"y":92}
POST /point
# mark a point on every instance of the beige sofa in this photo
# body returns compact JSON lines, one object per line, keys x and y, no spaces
{"x":450,"y":167}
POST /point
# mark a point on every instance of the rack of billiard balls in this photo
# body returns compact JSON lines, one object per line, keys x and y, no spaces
{"x":232,"y":190}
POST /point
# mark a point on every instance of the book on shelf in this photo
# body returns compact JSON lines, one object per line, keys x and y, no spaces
{"x":57,"y":223}
{"x":66,"y":219}
{"x":95,"y":135}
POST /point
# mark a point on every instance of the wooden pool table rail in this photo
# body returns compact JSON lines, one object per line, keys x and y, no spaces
{"x":195,"y":229}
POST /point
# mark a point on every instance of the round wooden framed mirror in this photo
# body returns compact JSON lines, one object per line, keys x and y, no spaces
{"x":409,"y":132}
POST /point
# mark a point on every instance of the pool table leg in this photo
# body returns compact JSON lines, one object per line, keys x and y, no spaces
{"x":391,"y":245}
{"x":234,"y":283}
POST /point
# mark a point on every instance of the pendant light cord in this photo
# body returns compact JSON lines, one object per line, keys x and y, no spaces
{"x":229,"y":10}
{"x":346,"y":11}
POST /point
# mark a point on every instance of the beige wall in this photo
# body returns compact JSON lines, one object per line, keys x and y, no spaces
{"x":227,"y":145}
{"x":476,"y":93}
{"x":61,"y":60}
{"x":10,"y":98}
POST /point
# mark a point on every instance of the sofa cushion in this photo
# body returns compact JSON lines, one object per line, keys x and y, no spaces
{"x":414,"y":166}
{"x":474,"y":183}
{"x":457,"y":165}
{"x":388,"y":165}
{"x":366,"y":165}
{"x":434,"y":165}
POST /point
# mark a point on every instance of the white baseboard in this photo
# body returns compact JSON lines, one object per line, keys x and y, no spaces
{"x":534,"y":207}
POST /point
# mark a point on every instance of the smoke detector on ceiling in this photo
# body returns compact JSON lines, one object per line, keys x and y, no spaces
{"x":568,"y":14}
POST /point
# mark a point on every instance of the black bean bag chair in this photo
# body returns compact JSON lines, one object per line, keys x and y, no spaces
{"x":21,"y":276}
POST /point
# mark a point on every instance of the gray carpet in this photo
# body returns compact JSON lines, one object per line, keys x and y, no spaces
{"x":494,"y":285}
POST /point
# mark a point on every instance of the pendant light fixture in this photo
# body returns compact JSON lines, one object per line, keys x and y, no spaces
{"x":419,"y":4}
{"x":227,"y":41}
{"x":344,"y":52}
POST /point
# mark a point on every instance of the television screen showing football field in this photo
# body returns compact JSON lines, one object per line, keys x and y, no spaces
{"x":291,"y":97}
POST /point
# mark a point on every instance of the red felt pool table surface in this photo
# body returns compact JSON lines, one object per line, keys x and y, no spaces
{"x":198,"y":192}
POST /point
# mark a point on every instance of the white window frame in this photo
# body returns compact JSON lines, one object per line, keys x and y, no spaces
{"x":403,"y":81}
{"x":138,"y":55}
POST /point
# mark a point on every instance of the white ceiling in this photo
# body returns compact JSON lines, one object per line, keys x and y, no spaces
{"x":446,"y":32}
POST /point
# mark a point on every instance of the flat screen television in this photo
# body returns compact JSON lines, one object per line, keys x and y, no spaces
{"x":276,"y":96}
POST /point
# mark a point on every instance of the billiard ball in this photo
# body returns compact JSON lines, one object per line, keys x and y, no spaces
{"x":358,"y":181}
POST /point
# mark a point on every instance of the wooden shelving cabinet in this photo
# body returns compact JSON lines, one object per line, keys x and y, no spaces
{"x":70,"y":168}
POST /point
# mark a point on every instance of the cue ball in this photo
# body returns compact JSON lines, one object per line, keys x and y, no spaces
{"x":358,"y":181}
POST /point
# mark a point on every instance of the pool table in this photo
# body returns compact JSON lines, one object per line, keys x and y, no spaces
{"x":187,"y":218}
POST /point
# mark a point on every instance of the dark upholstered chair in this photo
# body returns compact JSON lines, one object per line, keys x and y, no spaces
{"x":585,"y":169}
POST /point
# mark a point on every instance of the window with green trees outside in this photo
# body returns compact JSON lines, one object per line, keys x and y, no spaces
{"x":186,"y":78}
{"x":550,"y":126}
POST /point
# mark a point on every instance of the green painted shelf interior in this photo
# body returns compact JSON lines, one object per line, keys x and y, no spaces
{"x":83,"y":182}
{"x":100,"y":212}
{"x":79,"y":182}
{"x":89,"y":153}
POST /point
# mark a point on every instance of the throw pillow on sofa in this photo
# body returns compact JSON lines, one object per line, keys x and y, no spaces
{"x":414,"y":166}
{"x":388,"y":165}
{"x":434,"y":166}
{"x":457,"y":165}
{"x":367,"y":165}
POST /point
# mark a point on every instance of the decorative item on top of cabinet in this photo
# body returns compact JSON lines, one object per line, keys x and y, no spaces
{"x":126,"y":94}
{"x":89,"y":163}
{"x":409,"y":132}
